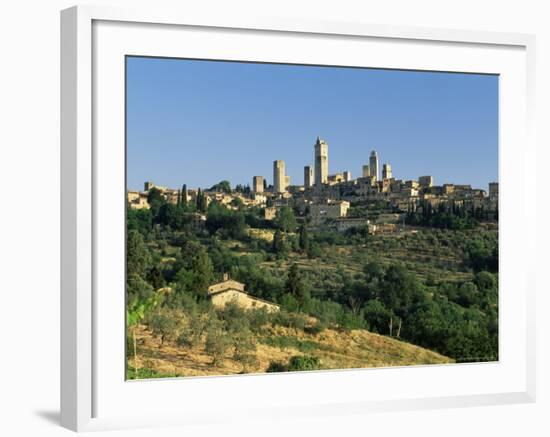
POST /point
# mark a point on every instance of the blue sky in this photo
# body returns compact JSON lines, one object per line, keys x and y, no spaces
{"x":198,"y":122}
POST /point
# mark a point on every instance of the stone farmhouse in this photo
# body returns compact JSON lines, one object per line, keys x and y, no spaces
{"x":232,"y":291}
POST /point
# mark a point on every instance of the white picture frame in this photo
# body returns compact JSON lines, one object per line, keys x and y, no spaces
{"x":91,"y":389}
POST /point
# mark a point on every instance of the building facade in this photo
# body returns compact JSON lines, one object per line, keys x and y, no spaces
{"x":373,"y":163}
{"x":258,"y":184}
{"x":386,"y":171}
{"x":230,"y":291}
{"x":308,"y":176}
{"x":321,"y":162}
{"x":279,"y":176}
{"x":426,"y":181}
{"x":366,"y":171}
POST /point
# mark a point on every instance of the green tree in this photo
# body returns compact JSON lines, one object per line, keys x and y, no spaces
{"x":138,"y":288}
{"x":155,"y":200}
{"x":299,"y":363}
{"x":373,"y":270}
{"x":201,"y":201}
{"x":377,"y":316}
{"x":304,"y":239}
{"x":138,"y":257}
{"x":203,"y":272}
{"x":285,"y":220}
{"x":183,"y":201}
{"x":277,"y":246}
{"x":139,"y":220}
{"x":164,"y":324}
{"x":155,"y":277}
{"x":195,"y":273}
{"x":217,"y":341}
{"x":222,"y":186}
{"x":296,"y":286}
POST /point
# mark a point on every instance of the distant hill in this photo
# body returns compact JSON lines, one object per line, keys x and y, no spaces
{"x":335,"y":349}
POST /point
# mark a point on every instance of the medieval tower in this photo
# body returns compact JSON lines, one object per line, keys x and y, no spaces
{"x":373,"y":164}
{"x":321,"y":162}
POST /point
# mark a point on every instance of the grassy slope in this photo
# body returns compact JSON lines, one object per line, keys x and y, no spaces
{"x":336,"y":349}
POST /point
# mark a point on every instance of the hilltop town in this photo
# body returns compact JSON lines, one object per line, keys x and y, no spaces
{"x":333,"y":273}
{"x":337,"y":199}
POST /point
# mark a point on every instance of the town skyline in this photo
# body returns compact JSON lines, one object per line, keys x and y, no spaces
{"x":199,"y":122}
{"x":300,"y":179}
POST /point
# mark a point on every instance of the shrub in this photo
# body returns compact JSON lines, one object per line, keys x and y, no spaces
{"x":258,"y":318}
{"x":217,"y":342}
{"x":164,"y":324}
{"x":245,"y":349}
{"x":276,"y":366}
{"x":317,"y":328}
{"x":192,"y":333}
{"x":303,"y":362}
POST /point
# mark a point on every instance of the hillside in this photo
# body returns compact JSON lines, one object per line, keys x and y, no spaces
{"x":336,"y":350}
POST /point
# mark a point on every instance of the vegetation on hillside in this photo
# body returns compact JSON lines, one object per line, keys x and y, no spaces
{"x":432,"y":286}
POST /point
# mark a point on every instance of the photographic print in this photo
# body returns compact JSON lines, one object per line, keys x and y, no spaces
{"x":284,"y":218}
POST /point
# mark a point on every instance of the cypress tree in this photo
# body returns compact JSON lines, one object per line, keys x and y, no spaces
{"x":184,"y":196}
{"x":304,"y":238}
{"x":277,"y":241}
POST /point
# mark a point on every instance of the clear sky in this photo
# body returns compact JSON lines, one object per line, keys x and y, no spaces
{"x":199,"y":122}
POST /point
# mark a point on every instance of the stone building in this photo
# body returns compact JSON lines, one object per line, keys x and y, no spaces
{"x":343,"y":224}
{"x":426,"y":181}
{"x":228,"y":291}
{"x":366,"y":171}
{"x":308,"y":176}
{"x":270,"y":213}
{"x":493,"y":189}
{"x":258,"y":184}
{"x":320,"y":212}
{"x":373,"y":163}
{"x":137,"y":200}
{"x":386,"y":172}
{"x":347,"y":176}
{"x":287,"y":182}
{"x":321,"y":162}
{"x":279,"y":178}
{"x":335,"y":178}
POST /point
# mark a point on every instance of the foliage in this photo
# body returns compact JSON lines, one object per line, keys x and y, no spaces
{"x":296,"y":286}
{"x":231,"y":224}
{"x":155,"y":200}
{"x":304,"y":239}
{"x":222,"y":186}
{"x":217,"y":341}
{"x":305,"y":362}
{"x":140,"y":220}
{"x":445,"y":216}
{"x":285,"y":219}
{"x":482,"y":254}
{"x":138,"y":257}
{"x":435,"y":286}
{"x":164,"y":324}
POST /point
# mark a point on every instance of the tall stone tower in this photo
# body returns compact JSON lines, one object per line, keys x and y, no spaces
{"x":366,"y":171}
{"x":308,"y":176}
{"x":373,"y":163}
{"x":386,"y":171}
{"x":493,"y":189}
{"x":258,"y":184}
{"x":321,"y":162}
{"x":279,"y":179}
